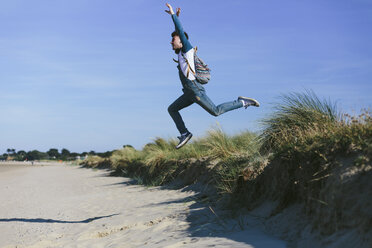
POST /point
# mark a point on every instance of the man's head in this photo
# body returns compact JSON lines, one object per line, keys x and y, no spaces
{"x":176,"y":41}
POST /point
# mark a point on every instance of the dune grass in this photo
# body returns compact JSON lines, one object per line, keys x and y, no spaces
{"x":302,"y":156}
{"x":303,"y":131}
{"x":160,"y":159}
{"x":157,"y":162}
{"x":313,"y":147}
{"x":297,"y":115}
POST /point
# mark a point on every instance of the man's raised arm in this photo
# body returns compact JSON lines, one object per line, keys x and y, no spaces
{"x":185,"y":42}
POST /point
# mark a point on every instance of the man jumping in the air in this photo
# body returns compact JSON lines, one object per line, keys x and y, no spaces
{"x":193,"y":91}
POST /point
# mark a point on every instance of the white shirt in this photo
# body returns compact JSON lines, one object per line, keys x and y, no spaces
{"x":183,"y":64}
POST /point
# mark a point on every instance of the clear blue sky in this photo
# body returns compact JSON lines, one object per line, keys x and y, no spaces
{"x":98,"y":74}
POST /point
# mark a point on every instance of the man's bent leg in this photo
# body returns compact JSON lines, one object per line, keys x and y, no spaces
{"x":206,"y":103}
{"x":173,"y":109}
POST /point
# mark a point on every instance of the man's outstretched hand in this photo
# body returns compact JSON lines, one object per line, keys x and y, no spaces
{"x":171,"y":12}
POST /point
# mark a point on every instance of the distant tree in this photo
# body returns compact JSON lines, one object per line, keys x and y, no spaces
{"x":21,"y":155}
{"x":92,"y":153}
{"x":106,"y":154}
{"x":36,"y":155}
{"x":124,"y":146}
{"x":53,"y":153}
{"x":4,"y":156}
{"x":74,"y":155}
{"x":11,"y":151}
{"x":65,"y":154}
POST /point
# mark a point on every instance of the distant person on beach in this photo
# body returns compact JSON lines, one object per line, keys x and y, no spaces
{"x":193,"y":90}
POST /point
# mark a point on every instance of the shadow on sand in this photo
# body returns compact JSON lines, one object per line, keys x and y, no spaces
{"x":40,"y":220}
{"x":208,"y":220}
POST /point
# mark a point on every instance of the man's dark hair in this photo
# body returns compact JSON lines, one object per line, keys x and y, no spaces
{"x":176,"y":33}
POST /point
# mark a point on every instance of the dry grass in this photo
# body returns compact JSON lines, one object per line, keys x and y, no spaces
{"x":298,"y":115}
{"x":296,"y":159}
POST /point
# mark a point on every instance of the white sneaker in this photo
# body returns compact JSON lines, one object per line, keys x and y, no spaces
{"x":183,"y":139}
{"x":248,"y":101}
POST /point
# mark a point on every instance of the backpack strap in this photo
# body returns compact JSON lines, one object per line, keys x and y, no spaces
{"x":195,"y":48}
{"x":188,"y":65}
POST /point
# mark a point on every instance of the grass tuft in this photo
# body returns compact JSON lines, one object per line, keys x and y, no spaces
{"x":296,"y":113}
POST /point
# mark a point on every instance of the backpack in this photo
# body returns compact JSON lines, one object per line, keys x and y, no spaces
{"x":202,"y":72}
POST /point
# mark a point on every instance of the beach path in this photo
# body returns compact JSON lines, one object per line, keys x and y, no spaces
{"x":68,"y":206}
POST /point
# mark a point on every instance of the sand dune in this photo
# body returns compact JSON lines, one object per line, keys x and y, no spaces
{"x":67,"y":206}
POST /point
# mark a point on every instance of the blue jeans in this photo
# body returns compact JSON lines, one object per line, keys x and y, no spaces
{"x":194,"y":92}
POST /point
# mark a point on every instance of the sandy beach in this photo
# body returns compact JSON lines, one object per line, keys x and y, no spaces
{"x":67,"y":206}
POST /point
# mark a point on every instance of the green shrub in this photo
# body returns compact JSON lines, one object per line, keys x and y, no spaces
{"x":295,"y":114}
{"x":122,"y":158}
{"x":95,"y":161}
